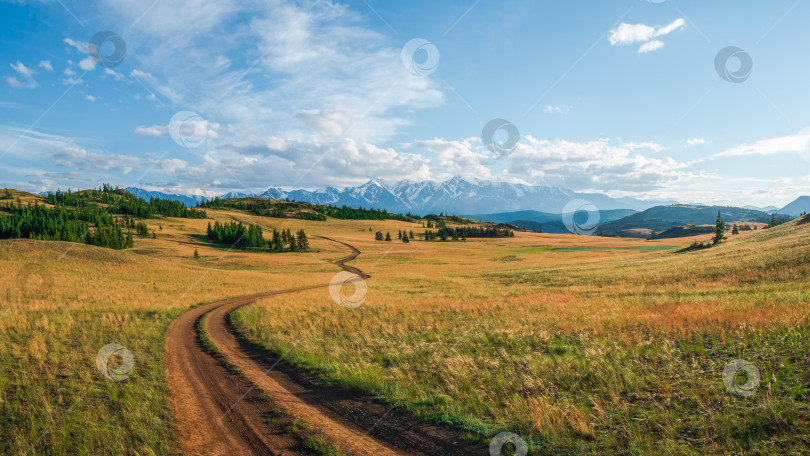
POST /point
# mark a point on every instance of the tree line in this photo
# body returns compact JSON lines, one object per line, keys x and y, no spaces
{"x":460,"y":233}
{"x":122,"y":202}
{"x":87,"y":225}
{"x":279,"y":209}
{"x":239,"y":236}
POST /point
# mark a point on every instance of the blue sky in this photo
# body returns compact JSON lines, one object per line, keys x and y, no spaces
{"x":622,"y":97}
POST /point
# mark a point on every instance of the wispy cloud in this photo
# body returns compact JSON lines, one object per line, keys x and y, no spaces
{"x":26,"y":77}
{"x":641,"y":33}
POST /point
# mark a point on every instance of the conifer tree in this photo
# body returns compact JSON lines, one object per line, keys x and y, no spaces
{"x":719,"y":229}
{"x":388,"y":236}
{"x":303,"y":242}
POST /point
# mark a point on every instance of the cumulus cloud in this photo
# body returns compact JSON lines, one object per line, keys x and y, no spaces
{"x":87,"y":64}
{"x":641,"y":33}
{"x":45,"y":65}
{"x":80,"y":159}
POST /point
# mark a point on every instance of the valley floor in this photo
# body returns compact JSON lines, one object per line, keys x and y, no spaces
{"x":576,"y":344}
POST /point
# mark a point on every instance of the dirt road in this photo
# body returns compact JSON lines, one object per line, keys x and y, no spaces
{"x":219,"y":413}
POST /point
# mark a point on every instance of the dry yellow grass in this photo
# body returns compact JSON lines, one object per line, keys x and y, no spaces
{"x":577,"y":343}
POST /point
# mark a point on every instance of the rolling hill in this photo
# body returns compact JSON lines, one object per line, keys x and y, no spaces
{"x":657,"y":219}
{"x":797,"y":207}
{"x":544,"y":221}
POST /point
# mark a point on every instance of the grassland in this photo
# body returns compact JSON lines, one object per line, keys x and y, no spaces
{"x":580,"y":348}
{"x":578,"y":344}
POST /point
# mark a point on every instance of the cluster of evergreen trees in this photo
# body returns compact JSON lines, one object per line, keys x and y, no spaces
{"x":350,"y":213}
{"x":465,"y":232}
{"x":239,"y":236}
{"x":280,"y":209}
{"x":121,"y":201}
{"x":89,"y":225}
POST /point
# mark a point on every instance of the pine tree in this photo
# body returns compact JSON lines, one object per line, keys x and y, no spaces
{"x":719,"y":229}
{"x":196,"y":253}
{"x":388,"y":236}
{"x":405,"y":239}
{"x":735,"y":230}
{"x":379,"y":236}
{"x":303,"y":242}
{"x":129,"y":243}
{"x":410,"y":234}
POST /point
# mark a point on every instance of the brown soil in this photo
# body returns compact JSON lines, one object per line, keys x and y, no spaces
{"x":220,"y":413}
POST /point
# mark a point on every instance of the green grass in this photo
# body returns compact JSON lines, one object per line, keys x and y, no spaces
{"x":54,"y":400}
{"x":295,"y":426}
{"x":320,"y":446}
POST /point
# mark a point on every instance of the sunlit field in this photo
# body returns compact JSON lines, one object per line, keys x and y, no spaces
{"x":577,"y":344}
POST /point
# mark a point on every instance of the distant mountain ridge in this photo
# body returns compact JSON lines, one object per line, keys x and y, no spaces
{"x":653,"y":221}
{"x":456,"y":196}
{"x":546,"y":222}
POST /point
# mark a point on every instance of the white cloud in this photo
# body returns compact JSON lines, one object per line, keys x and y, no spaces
{"x":69,"y":72}
{"x":155,"y":130}
{"x":80,"y":159}
{"x":799,"y":142}
{"x":92,"y":98}
{"x":87,"y":64}
{"x":26,"y":80}
{"x":642,"y":33}
{"x":136,"y":73}
{"x":311,"y":67}
{"x":116,"y":75}
{"x":46,"y":65}
{"x":80,"y":46}
{"x":556,"y":109}
{"x":650,"y":46}
{"x":695,"y":141}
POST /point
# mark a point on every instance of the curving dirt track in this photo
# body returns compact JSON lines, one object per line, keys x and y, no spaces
{"x":217,"y":413}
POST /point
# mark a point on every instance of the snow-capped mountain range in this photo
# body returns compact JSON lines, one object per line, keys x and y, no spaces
{"x":455,"y":196}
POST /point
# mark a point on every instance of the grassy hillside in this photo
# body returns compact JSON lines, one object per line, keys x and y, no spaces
{"x":580,"y":351}
{"x":657,"y":219}
{"x":580,"y":344}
